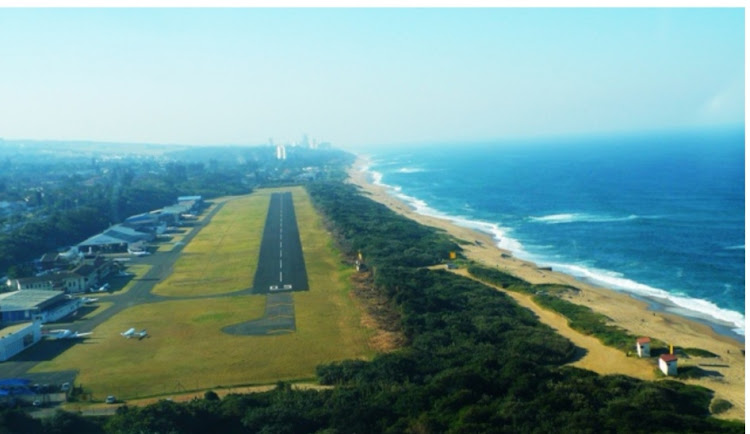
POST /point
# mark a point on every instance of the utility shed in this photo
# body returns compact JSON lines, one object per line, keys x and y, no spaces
{"x":668,"y":364}
{"x":643,"y":347}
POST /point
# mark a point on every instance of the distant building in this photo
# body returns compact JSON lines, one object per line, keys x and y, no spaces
{"x":281,"y":152}
{"x":18,"y":337}
{"x":668,"y":364}
{"x":643,"y":347}
{"x":198,"y":199}
{"x":57,"y":260}
{"x":150,"y":223}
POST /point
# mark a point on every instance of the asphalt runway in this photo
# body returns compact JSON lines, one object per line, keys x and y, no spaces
{"x":281,"y":265}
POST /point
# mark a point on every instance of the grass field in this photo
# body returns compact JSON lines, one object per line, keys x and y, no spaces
{"x":188,"y":351}
{"x":223,"y":256}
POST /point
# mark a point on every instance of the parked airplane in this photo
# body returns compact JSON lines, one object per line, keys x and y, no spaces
{"x":131,"y":333}
{"x":65,"y":334}
{"x":89,"y":300}
{"x":140,"y":253}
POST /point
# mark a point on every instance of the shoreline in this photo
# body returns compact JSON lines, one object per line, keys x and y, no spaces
{"x":639,"y":315}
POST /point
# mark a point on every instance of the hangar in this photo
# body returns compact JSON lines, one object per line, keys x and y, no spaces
{"x":36,"y":305}
{"x":18,"y":337}
{"x":115,"y":239}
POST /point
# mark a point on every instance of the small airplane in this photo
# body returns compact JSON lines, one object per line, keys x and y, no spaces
{"x":140,"y":253}
{"x":103,"y":287}
{"x":65,"y":334}
{"x":89,"y":300}
{"x":131,"y":333}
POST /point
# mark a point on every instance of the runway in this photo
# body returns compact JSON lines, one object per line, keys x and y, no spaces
{"x":281,"y":270}
{"x":281,"y":265}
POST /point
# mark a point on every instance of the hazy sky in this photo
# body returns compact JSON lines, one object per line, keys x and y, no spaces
{"x":365,"y":76}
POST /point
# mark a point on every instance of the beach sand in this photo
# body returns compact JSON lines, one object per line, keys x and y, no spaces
{"x":728,"y":379}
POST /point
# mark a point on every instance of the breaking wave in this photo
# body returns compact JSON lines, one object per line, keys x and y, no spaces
{"x":580,"y":218}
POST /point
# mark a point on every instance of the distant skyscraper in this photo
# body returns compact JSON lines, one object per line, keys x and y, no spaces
{"x":280,"y":152}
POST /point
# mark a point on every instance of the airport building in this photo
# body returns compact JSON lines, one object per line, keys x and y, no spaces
{"x":114,"y":240}
{"x":86,"y":275}
{"x":17,"y":337}
{"x":36,"y":306}
{"x":149,"y":223}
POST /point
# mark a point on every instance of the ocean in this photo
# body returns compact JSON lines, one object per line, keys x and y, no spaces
{"x":660,"y":216}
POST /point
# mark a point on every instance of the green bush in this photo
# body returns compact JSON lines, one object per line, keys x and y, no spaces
{"x":719,"y":406}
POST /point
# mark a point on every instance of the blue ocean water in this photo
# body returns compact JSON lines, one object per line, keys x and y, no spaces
{"x":659,"y":215}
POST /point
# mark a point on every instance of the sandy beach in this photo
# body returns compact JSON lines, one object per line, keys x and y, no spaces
{"x":728,"y":371}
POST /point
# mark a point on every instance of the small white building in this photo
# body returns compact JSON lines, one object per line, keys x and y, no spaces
{"x":18,"y":337}
{"x":643,"y":347}
{"x":668,"y":364}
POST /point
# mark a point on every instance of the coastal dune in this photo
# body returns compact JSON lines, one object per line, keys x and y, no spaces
{"x":728,"y":379}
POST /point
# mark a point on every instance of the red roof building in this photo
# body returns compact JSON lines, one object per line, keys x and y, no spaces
{"x":668,"y":364}
{"x":643,"y":347}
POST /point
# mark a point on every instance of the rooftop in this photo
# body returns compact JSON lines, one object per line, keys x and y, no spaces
{"x":668,"y":357}
{"x":101,"y":239}
{"x":26,"y":299}
{"x":189,"y":198}
{"x":643,"y":340}
{"x":9,"y":330}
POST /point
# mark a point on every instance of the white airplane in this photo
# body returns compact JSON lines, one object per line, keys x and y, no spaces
{"x":90,"y":300}
{"x":65,"y":334}
{"x":140,"y":253}
{"x":131,"y":333}
{"x":103,"y":287}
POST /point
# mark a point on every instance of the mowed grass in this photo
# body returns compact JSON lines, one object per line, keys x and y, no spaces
{"x":187,"y":349}
{"x":223,"y":255}
{"x":185,"y":346}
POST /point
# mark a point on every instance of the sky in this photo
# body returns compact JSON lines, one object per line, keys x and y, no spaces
{"x":364,"y":76}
